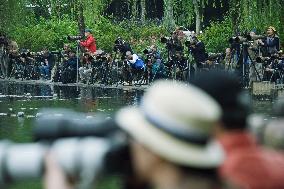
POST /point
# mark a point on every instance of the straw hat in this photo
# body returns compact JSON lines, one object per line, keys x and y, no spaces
{"x":175,"y":121}
{"x":272,"y":28}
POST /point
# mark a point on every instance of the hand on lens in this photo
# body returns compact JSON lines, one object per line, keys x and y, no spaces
{"x":54,"y":176}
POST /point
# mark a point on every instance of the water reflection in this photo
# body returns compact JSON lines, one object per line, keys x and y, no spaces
{"x":29,"y":99}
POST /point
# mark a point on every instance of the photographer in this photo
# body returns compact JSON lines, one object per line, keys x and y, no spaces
{"x":47,"y":64}
{"x":137,"y":66}
{"x":155,"y":66}
{"x":13,"y":52}
{"x":24,"y":65}
{"x":3,"y":54}
{"x":253,"y":52}
{"x":273,"y":69}
{"x":270,"y":44}
{"x":174,"y":43}
{"x":197,"y":48}
{"x":121,"y":46}
{"x":86,"y":70}
{"x":65,"y":52}
{"x":179,"y":67}
{"x":63,"y":57}
{"x":69,"y":69}
{"x":89,"y":43}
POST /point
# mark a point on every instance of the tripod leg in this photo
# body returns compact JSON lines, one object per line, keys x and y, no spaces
{"x":254,"y":67}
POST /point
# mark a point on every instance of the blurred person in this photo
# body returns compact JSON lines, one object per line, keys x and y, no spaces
{"x":247,"y":165}
{"x":90,"y":42}
{"x":169,"y":136}
{"x":274,"y":134}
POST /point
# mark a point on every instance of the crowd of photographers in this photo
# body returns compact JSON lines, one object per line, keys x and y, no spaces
{"x":253,"y":57}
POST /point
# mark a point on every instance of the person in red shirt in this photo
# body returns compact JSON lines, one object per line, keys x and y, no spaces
{"x":90,"y":42}
{"x":247,"y":164}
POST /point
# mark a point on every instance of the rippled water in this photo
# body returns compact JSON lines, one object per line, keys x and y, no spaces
{"x":29,"y":99}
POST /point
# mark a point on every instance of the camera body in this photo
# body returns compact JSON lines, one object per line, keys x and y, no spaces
{"x":238,"y":40}
{"x":254,"y":37}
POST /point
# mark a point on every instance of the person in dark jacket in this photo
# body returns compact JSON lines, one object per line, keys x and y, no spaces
{"x":247,"y":164}
{"x":70,"y":69}
{"x":270,"y":44}
{"x":197,"y":48}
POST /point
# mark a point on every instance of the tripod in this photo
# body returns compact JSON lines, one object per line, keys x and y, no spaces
{"x":242,"y":59}
{"x":77,"y":63}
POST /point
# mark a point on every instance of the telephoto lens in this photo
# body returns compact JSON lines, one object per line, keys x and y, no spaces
{"x":53,"y":124}
{"x":21,"y":161}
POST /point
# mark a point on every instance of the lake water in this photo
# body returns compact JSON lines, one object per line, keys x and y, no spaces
{"x":29,"y":99}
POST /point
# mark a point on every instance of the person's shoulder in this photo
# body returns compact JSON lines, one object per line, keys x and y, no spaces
{"x":255,"y":169}
{"x":255,"y":162}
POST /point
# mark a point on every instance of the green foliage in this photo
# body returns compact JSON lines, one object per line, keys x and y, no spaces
{"x":46,"y":33}
{"x":216,"y":36}
{"x":31,"y":31}
{"x":51,"y":33}
{"x":139,"y":36}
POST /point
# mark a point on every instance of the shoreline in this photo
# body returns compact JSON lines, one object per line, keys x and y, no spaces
{"x":60,"y":84}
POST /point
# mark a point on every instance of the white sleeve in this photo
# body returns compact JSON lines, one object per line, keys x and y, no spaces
{"x":134,"y":59}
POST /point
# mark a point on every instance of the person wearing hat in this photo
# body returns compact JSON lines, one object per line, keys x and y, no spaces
{"x":170,"y":139}
{"x":271,"y":44}
{"x":89,"y":43}
{"x":247,"y":164}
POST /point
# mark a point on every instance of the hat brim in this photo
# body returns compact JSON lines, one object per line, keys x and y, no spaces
{"x":131,"y":120}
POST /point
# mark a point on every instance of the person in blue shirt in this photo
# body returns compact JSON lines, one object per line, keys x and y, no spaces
{"x":137,"y":66}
